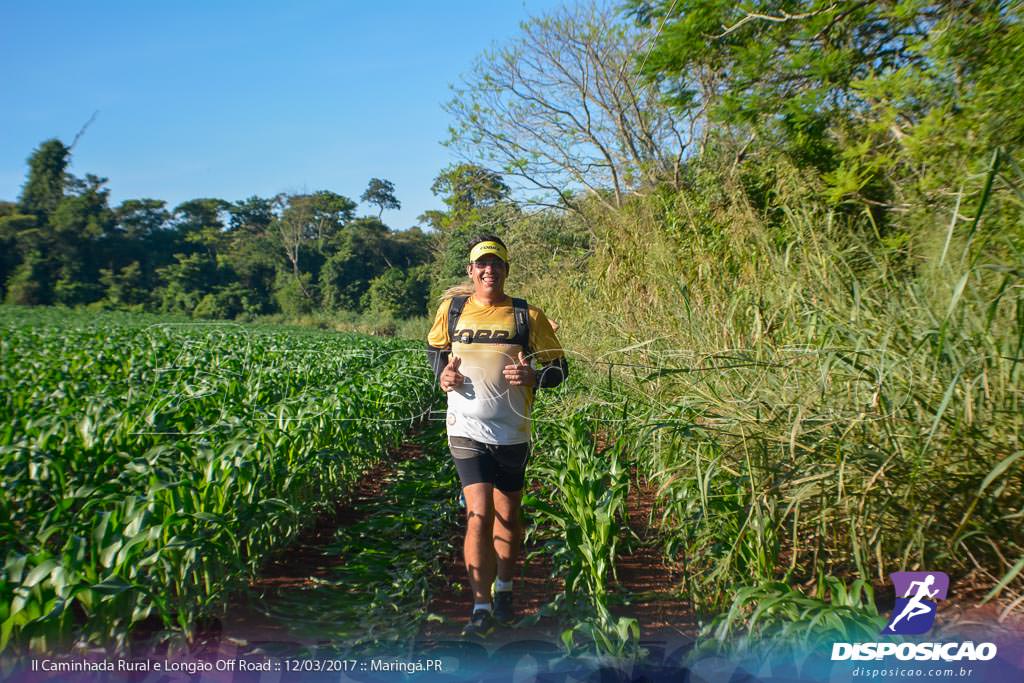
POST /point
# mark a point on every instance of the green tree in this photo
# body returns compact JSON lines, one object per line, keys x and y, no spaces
{"x":328,"y":213}
{"x":14,"y":226}
{"x":362,"y":252}
{"x":84,"y":215}
{"x":253,"y":215}
{"x":254,"y":261}
{"x":310,"y":218}
{"x":308,"y":224}
{"x":44,"y":187}
{"x":227,"y":303}
{"x":188,"y":280}
{"x":80,"y":232}
{"x":879,"y":100}
{"x":63,"y":247}
{"x":381,"y":193}
{"x":124,"y":288}
{"x":294,"y":293}
{"x":467,"y":187}
{"x":196,"y":214}
{"x":144,"y":235}
{"x":253,"y":255}
{"x":200,"y":222}
{"x":399,"y":294}
{"x":137,"y":219}
{"x":29,"y":284}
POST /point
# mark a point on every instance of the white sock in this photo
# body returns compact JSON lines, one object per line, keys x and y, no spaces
{"x":500,"y":585}
{"x":477,"y":606}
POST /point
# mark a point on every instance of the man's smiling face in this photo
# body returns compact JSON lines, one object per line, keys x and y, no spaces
{"x":488,"y":274}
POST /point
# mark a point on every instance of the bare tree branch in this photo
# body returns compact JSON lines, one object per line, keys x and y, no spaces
{"x":558,"y":108}
{"x":783,"y":17}
{"x":81,"y":131}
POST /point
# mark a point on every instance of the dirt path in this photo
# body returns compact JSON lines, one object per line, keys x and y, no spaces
{"x":453,"y":599}
{"x":647,"y":586}
{"x":307,"y":561}
{"x":290,"y":604}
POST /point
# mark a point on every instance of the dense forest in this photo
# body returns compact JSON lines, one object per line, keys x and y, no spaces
{"x":827,"y":191}
{"x":292,"y":254}
{"x":207,"y":257}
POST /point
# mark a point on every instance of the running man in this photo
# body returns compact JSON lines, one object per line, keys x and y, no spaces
{"x":915,"y":607}
{"x":483,"y":357}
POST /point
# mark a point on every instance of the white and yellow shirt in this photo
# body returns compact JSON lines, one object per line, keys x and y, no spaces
{"x":486,"y":408}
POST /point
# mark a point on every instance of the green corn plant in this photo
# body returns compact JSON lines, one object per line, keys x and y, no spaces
{"x":376,"y":593}
{"x":584,"y":515}
{"x":773,"y":617}
{"x":151,"y":469}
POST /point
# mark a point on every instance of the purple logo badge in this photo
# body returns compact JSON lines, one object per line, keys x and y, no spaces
{"x":916,"y":594}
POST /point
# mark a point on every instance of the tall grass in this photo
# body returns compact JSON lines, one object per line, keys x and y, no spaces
{"x":814,"y":401}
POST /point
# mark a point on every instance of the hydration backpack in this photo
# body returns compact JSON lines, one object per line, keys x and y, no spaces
{"x":520,"y":310}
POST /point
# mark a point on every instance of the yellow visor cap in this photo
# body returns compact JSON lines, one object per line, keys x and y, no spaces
{"x":485,"y":248}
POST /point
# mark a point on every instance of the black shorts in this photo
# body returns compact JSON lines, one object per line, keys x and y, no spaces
{"x":502,"y":466}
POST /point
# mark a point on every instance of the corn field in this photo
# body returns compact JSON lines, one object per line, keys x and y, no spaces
{"x":150,"y":467}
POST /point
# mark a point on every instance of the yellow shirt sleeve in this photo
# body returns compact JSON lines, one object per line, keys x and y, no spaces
{"x":438,"y":335}
{"x":543,"y":341}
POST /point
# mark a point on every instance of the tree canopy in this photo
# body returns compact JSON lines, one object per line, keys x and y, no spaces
{"x":380,"y":193}
{"x":560,"y":110}
{"x":208,"y":257}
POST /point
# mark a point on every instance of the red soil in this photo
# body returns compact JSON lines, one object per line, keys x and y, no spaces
{"x":645,"y":581}
{"x":301,"y":563}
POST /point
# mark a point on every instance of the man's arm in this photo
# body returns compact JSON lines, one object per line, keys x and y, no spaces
{"x":552,"y":374}
{"x":438,"y":359}
{"x":547,"y":351}
{"x":438,"y":344}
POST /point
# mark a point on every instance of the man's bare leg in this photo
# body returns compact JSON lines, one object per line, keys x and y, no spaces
{"x":478,"y":548}
{"x":508,"y":531}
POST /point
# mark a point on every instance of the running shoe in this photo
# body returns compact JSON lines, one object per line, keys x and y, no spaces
{"x":481,"y":624}
{"x":504,"y":612}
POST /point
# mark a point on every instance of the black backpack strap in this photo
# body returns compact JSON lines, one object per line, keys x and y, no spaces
{"x":454,"y":311}
{"x":521,"y":310}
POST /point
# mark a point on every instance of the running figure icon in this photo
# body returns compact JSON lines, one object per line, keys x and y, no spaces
{"x":917,"y":598}
{"x":915,"y":605}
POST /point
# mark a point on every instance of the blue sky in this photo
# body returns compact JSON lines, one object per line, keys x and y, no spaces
{"x":232,"y":99}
